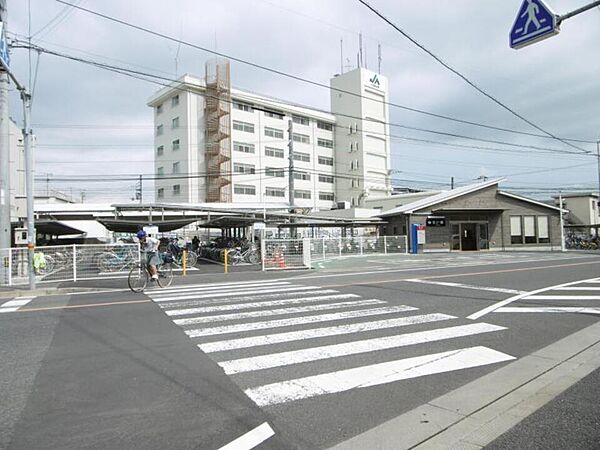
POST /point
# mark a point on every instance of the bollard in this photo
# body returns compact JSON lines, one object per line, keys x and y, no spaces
{"x":225,"y":259}
{"x":184,"y":262}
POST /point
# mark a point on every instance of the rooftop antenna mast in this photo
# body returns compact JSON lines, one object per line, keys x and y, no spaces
{"x":378,"y":58}
{"x":360,"y":55}
{"x":341,"y":56}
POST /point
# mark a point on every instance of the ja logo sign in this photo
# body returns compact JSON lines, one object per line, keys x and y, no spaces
{"x":375,"y":80}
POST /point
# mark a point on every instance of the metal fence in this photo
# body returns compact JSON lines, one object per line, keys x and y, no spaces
{"x":301,"y":253}
{"x":278,"y":254}
{"x":68,"y":263}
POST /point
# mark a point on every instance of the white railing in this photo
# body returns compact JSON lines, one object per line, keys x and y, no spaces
{"x":301,"y":253}
{"x":68,"y":263}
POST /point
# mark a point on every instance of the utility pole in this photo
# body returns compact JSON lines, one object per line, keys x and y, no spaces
{"x":4,"y":147}
{"x":27,"y":134}
{"x":451,"y":182}
{"x":562,"y":225}
{"x":598,"y":154}
{"x":291,"y":172}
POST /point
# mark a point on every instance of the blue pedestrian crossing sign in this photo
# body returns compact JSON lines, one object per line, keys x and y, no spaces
{"x":535,"y":22}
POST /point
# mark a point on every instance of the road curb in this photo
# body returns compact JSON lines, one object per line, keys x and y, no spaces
{"x":475,"y":414}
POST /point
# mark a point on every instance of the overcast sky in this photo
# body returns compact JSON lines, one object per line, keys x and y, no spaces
{"x":93,"y":123}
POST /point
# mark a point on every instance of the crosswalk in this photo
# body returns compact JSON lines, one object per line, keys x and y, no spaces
{"x":281,"y":341}
{"x":14,"y":305}
{"x":581,"y":296}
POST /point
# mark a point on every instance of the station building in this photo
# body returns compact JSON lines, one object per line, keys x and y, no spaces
{"x":217,"y":144}
{"x":476,"y":217}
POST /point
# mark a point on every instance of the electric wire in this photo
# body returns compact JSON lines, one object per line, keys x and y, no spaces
{"x":318,"y":84}
{"x":465,"y":79}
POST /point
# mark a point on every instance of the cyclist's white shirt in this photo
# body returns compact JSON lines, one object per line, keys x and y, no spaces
{"x":151,"y":245}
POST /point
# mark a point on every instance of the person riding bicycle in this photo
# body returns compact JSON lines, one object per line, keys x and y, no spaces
{"x":149,"y":246}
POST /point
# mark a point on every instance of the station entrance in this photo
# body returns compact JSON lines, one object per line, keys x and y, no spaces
{"x":470,"y":236}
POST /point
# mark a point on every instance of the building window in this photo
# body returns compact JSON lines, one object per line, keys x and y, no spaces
{"x":160,"y":193}
{"x":244,"y":189}
{"x":326,"y":179}
{"x":542,"y":227}
{"x":160,"y":171}
{"x":243,"y":126}
{"x":160,"y":130}
{"x":299,"y":193}
{"x":523,"y":230}
{"x":301,"y":120}
{"x":325,"y":126}
{"x":243,"y":147}
{"x":327,"y":143}
{"x":160,"y":150}
{"x":271,"y":172}
{"x":529,"y":229}
{"x":243,"y":168}
{"x":327,"y":196}
{"x":176,"y":166}
{"x":274,"y":152}
{"x":175,"y":123}
{"x":243,"y":106}
{"x":176,"y":189}
{"x":326,"y":160}
{"x":159,"y":109}
{"x":175,"y":100}
{"x":274,"y":192}
{"x":299,"y":156}
{"x":175,"y":144}
{"x":274,"y":115}
{"x":301,"y":176}
{"x":516,"y":234}
{"x":274,"y":132}
{"x":302,"y":138}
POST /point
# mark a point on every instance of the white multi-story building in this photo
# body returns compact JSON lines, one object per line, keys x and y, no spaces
{"x":214,"y":143}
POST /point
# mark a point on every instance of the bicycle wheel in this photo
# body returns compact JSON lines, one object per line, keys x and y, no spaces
{"x":165,"y":274}
{"x":191,"y":259}
{"x":138,"y":278}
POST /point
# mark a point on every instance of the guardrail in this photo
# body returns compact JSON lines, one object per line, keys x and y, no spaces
{"x":68,"y":263}
{"x":278,"y":254}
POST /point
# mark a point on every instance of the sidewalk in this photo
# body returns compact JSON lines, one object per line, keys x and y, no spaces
{"x":477,"y":413}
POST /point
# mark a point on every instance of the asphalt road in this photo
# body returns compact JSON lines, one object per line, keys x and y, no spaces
{"x":317,"y":357}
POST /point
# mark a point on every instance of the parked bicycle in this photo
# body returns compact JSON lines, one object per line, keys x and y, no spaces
{"x":177,"y":251}
{"x":139,"y":275}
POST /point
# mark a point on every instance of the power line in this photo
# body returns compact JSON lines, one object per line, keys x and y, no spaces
{"x":465,"y":79}
{"x":194,"y":89}
{"x":316,"y":83}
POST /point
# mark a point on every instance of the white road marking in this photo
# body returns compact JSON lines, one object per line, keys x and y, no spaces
{"x":466,"y":286}
{"x":213,"y":301}
{"x":276,"y":312}
{"x":563,"y":297}
{"x":556,"y":309}
{"x":352,"y":348}
{"x":226,"y":284}
{"x":577,"y":288}
{"x":17,"y":302}
{"x":14,"y":305}
{"x":374,"y":375}
{"x":236,"y":306}
{"x":233,"y":293}
{"x":202,"y":290}
{"x":321,"y":332}
{"x":510,"y":300}
{"x":251,"y":439}
{"x":297,"y":321}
